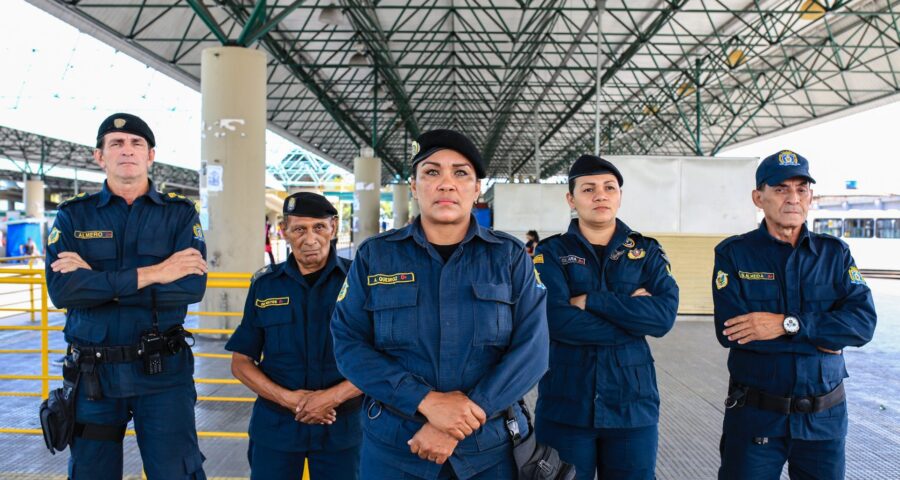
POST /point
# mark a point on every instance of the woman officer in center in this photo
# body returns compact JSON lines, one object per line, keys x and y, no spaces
{"x":442,"y":324}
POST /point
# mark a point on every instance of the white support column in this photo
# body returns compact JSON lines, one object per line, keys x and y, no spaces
{"x":401,"y":204}
{"x":232,"y":174}
{"x":366,"y":195}
{"x":33,"y":197}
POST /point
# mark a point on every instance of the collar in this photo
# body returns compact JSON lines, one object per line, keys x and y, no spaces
{"x":106,"y":194}
{"x":416,"y":231}
{"x":805,"y":238}
{"x":290,"y":268}
{"x":620,"y":236}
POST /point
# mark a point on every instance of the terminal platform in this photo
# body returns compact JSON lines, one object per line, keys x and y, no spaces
{"x":690,"y":367}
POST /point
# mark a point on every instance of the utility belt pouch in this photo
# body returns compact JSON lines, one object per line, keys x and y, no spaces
{"x":90,"y":378}
{"x":57,"y":412}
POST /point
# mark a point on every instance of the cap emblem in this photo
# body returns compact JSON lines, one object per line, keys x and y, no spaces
{"x":788,"y":158}
{"x":415,"y":148}
{"x":119,"y":122}
{"x":291,"y":204}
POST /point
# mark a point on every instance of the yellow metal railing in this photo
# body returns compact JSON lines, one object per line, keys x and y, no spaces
{"x":35,"y":277}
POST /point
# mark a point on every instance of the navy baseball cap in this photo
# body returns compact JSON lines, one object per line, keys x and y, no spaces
{"x":781,"y":166}
{"x":593,"y":165}
{"x":128,"y":123}
{"x":434,"y":141}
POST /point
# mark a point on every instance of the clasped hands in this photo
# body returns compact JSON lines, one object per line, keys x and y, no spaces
{"x":313,"y":407}
{"x":451,"y":418}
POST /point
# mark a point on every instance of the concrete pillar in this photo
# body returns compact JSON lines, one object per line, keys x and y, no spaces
{"x":232,"y":172}
{"x":33,"y":197}
{"x":366,"y":195}
{"x":401,"y":204}
{"x":413,"y":209}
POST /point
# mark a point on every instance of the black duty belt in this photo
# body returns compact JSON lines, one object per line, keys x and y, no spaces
{"x":349,"y":406}
{"x":118,"y":354}
{"x":742,"y":395}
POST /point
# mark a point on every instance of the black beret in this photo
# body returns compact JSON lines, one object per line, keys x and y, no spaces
{"x":593,"y":165}
{"x":434,"y":141}
{"x":308,"y":204}
{"x":128,"y":123}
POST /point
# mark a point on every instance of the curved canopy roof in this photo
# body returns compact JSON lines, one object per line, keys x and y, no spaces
{"x":521,"y":76}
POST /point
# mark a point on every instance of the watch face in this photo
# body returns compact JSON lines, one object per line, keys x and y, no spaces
{"x":791,"y":325}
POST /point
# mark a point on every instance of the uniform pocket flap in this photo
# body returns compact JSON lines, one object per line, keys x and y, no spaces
{"x":821,"y":292}
{"x":155,"y":246}
{"x":393,"y":297}
{"x":761,"y":290}
{"x":271,"y":317}
{"x":493,"y":292}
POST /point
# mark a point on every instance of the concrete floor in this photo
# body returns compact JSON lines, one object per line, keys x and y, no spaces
{"x":692,"y":380}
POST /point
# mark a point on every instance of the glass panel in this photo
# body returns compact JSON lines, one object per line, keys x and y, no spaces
{"x":831,"y":226}
{"x":859,"y":228}
{"x":888,"y":228}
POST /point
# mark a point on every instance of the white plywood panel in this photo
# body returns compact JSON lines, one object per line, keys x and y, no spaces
{"x":531,"y":206}
{"x":650,"y":194}
{"x":715,"y":195}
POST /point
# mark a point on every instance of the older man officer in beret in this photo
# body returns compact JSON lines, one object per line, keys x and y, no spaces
{"x":125,"y":263}
{"x":608,"y":288}
{"x":283,"y":352}
{"x":787,"y":302}
{"x":442,"y":325}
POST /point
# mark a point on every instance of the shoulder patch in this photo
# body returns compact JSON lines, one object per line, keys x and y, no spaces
{"x":343,"y":293}
{"x":721,"y":280}
{"x":856,"y":278}
{"x":77,"y":198}
{"x":538,"y":259}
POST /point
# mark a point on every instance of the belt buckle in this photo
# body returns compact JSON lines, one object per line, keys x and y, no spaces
{"x":802,"y":404}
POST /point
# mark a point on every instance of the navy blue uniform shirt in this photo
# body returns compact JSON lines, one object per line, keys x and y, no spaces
{"x":818,"y":283}
{"x":104,"y":305}
{"x":601,"y":370}
{"x":286,"y":328}
{"x":407,"y":324}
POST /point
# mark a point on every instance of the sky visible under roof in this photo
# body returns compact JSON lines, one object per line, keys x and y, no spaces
{"x":60,"y":83}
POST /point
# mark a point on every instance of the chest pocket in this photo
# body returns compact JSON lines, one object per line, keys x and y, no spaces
{"x":820,"y":297}
{"x":278,"y":323}
{"x":395,"y":317}
{"x":154,"y":245}
{"x":762,"y":295}
{"x":580,"y":279}
{"x":98,"y":250}
{"x":492,"y":314}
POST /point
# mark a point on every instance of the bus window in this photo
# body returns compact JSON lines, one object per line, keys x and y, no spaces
{"x":831,"y":226}
{"x":888,"y":228}
{"x":859,"y":228}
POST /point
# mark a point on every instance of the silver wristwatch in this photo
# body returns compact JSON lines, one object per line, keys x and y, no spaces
{"x":791,"y":325}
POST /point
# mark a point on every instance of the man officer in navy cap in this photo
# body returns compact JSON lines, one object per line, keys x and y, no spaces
{"x":787,"y":302}
{"x":283,"y":351}
{"x":125,"y":263}
{"x":608,"y":288}
{"x":442,"y":324}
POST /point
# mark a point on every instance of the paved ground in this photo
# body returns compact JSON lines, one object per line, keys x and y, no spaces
{"x":692,"y":380}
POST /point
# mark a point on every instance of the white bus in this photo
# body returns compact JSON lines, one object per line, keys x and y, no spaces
{"x":873,"y":235}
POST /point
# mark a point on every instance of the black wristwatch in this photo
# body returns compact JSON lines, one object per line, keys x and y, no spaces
{"x":791,"y":324}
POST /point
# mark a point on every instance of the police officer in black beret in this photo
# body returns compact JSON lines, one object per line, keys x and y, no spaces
{"x":608,"y":287}
{"x":283,"y":352}
{"x":125,"y":263}
{"x":442,"y":324}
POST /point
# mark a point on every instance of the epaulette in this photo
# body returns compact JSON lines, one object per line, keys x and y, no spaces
{"x":729,"y":240}
{"x":832,"y":238}
{"x":77,"y":198}
{"x":261,"y":272}
{"x":549,"y":238}
{"x":506,"y":236}
{"x":177,"y":197}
